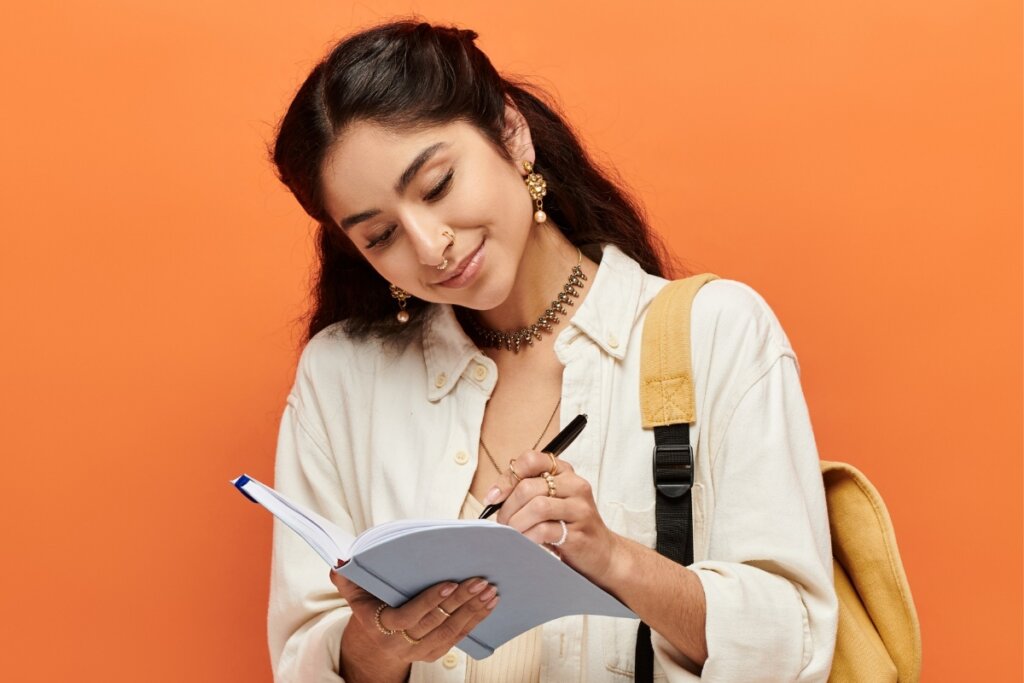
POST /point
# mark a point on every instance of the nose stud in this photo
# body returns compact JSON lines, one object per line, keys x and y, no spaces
{"x":451,"y":241}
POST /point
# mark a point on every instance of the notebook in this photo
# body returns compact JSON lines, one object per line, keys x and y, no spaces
{"x":397,"y":560}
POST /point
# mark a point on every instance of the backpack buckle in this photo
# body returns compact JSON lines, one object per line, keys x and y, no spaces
{"x":673,"y":469}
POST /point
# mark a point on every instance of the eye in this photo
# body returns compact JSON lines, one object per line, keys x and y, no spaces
{"x":442,"y":187}
{"x":383,"y":238}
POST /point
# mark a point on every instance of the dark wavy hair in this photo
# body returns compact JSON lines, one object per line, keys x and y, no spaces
{"x":407,"y":73}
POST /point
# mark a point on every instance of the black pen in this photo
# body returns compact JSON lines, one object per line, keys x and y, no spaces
{"x":555,"y":448}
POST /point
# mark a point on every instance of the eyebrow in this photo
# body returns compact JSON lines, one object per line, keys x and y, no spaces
{"x":403,"y":182}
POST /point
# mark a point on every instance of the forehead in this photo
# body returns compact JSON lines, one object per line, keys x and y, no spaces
{"x":367,"y":159}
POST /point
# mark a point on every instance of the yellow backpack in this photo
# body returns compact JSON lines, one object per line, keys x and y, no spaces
{"x":879,"y":638}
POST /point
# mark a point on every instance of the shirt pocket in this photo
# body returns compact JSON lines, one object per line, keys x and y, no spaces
{"x":618,"y":636}
{"x":631,"y":522}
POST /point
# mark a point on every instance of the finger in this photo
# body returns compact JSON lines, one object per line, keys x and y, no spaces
{"x":351,"y":592}
{"x":412,"y":611}
{"x":567,"y":485}
{"x":466,"y":591}
{"x":564,"y":467}
{"x":527,"y":490}
{"x":528,"y":465}
{"x":546,"y":532}
{"x":534,"y":464}
{"x":464,"y":619}
{"x":344,"y":586}
{"x":542,"y":509}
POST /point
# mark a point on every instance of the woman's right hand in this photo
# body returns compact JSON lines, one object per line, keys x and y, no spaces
{"x":421,"y":617}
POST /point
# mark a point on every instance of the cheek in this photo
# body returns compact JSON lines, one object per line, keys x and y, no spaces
{"x":392,"y":264}
{"x":493,"y":198}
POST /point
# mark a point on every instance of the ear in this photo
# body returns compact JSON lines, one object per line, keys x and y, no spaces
{"x":517,"y":138}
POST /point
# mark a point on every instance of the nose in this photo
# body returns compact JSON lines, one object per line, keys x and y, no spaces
{"x":425,"y":234}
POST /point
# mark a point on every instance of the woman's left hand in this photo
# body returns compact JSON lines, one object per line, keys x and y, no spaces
{"x":589,"y":545}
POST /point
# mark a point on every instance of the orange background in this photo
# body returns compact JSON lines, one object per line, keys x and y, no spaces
{"x":858,"y":163}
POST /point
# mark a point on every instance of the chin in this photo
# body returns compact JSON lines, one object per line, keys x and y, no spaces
{"x":486,"y":296}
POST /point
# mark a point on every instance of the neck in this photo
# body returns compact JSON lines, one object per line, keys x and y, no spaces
{"x":543,"y":270}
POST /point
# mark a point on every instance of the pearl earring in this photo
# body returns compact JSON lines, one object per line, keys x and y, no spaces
{"x":401,"y":295}
{"x":538,"y":187}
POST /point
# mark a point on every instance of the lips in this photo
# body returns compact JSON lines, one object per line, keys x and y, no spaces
{"x":465,"y":270}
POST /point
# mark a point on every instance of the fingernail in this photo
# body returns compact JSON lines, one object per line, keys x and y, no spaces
{"x":489,"y":593}
{"x":493,"y":603}
{"x":448,"y":589}
{"x":492,"y":495}
{"x":477,"y":587}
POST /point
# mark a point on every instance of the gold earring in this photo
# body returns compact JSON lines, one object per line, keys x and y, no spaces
{"x":401,"y":295}
{"x":538,"y":187}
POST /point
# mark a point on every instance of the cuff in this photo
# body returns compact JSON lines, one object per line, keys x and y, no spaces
{"x":313,"y":653}
{"x":757,"y":626}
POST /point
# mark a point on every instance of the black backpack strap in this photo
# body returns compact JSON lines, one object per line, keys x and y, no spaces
{"x":673,"y":512}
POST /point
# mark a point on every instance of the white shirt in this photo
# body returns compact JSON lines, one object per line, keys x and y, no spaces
{"x":370,"y":436}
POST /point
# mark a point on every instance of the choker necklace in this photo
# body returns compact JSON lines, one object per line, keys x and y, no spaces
{"x":512,"y":340}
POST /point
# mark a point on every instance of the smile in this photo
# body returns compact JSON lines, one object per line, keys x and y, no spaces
{"x":466,"y":270}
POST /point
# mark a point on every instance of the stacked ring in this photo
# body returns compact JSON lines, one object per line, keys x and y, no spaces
{"x":512,"y":469}
{"x":551,"y":484}
{"x":409,"y":639}
{"x":376,"y":620}
{"x":554,"y":463}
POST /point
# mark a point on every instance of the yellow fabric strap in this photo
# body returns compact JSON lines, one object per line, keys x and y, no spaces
{"x":666,"y":376}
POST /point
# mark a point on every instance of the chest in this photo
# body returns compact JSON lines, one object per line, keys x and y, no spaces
{"x":424,"y":466}
{"x":522,"y":413}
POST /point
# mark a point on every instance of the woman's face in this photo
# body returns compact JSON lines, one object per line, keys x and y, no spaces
{"x":395,"y":193}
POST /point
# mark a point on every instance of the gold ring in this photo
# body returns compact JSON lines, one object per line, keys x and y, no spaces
{"x":443,"y":264}
{"x":512,"y":469}
{"x":554,"y":464}
{"x":447,"y":614}
{"x":376,"y":620}
{"x":551,"y":484}
{"x":450,"y":235}
{"x":409,"y":639}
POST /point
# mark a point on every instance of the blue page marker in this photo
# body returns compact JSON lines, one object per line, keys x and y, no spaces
{"x":239,"y":483}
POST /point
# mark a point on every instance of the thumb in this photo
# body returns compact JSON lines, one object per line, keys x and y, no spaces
{"x":349,"y":590}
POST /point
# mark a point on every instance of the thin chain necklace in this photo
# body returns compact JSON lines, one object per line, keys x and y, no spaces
{"x":495,"y":462}
{"x":512,"y":340}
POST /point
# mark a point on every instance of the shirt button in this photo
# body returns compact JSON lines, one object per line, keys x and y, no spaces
{"x":613,"y":341}
{"x":480,"y":373}
{"x":462,"y":457}
{"x":440,"y":380}
{"x":450,"y":660}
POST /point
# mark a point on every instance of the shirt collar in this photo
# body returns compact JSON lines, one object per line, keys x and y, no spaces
{"x":609,"y":312}
{"x":447,"y":350}
{"x":607,"y":316}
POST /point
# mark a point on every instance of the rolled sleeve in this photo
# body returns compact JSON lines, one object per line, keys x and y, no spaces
{"x":306,"y":615}
{"x":771,"y":604}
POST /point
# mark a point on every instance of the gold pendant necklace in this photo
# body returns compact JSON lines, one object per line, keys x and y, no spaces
{"x":495,"y":462}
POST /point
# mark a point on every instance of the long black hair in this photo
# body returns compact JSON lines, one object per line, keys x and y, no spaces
{"x":410,"y":73}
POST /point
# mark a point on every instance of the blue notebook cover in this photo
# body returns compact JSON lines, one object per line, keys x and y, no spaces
{"x":397,"y":560}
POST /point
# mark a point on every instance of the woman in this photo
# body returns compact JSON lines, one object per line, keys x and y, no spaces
{"x":454,"y":207}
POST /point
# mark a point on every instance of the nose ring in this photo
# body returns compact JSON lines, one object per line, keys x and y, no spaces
{"x":451,"y":241}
